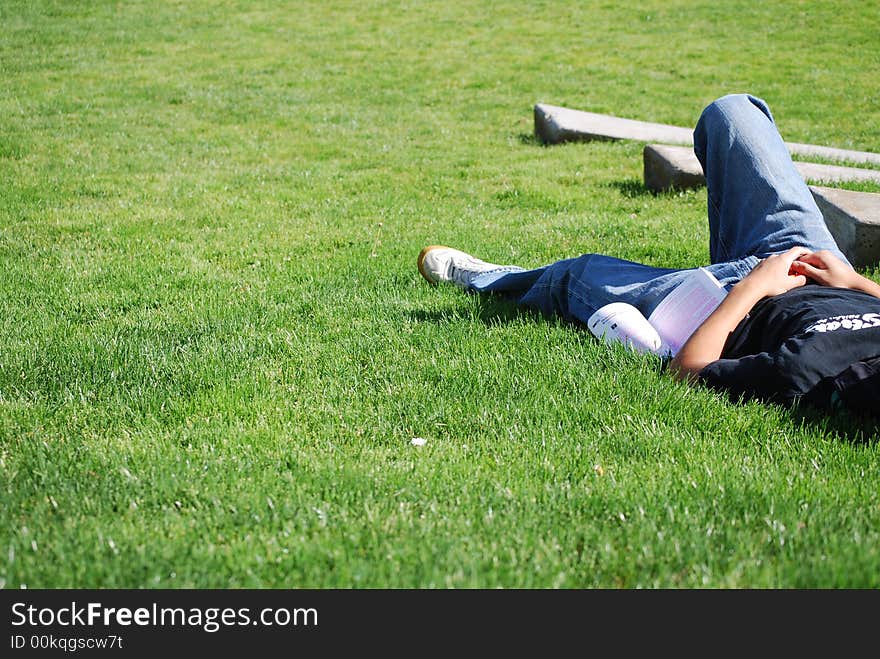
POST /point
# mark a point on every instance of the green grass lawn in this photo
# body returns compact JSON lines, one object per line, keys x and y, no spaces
{"x":216,"y":347}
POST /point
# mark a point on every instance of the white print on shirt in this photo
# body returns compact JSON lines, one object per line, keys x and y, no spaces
{"x":853,"y":321}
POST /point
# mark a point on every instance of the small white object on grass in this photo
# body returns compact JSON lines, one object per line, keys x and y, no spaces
{"x":418,"y":441}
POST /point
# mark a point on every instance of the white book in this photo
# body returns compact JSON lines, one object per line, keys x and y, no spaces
{"x":671,"y":323}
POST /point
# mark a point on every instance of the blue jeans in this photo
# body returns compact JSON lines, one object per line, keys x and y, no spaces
{"x":758,"y":205}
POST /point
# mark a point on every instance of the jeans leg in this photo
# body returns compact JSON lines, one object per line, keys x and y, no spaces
{"x":575,"y":288}
{"x":758,"y":202}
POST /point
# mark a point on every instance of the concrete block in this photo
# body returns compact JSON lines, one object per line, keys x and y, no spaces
{"x":669,"y":167}
{"x":831,"y":153}
{"x":812,"y":171}
{"x":852,"y":217}
{"x":854,"y":220}
{"x":555,"y":124}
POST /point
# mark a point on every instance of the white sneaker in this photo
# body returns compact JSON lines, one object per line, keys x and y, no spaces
{"x":440,"y":263}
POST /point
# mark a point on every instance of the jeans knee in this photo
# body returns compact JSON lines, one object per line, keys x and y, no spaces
{"x":582,"y":263}
{"x":733,"y":108}
{"x":722,"y":115}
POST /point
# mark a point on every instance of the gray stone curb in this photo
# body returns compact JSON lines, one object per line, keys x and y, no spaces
{"x":667,"y":167}
{"x":671,"y":167}
{"x":555,"y":124}
{"x":852,"y":217}
{"x":854,"y":220}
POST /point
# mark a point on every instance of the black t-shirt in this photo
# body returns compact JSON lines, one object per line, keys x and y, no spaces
{"x":790,"y":343}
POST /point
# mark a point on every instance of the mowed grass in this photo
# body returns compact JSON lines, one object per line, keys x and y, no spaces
{"x":215,"y":348}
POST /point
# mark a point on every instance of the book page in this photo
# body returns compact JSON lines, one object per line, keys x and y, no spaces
{"x":681,"y":312}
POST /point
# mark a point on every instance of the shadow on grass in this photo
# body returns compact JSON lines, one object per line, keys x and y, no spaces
{"x":858,"y":430}
{"x":491,"y":310}
{"x":634,"y":188}
{"x":497,"y":309}
{"x":631,"y":188}
{"x":530,"y":139}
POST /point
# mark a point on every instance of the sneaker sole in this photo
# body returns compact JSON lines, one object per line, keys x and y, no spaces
{"x":421,"y":261}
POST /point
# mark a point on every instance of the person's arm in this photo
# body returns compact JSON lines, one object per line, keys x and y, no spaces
{"x":772,"y":276}
{"x":826,"y":269}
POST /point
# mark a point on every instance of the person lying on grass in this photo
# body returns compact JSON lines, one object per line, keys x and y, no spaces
{"x":798,"y":324}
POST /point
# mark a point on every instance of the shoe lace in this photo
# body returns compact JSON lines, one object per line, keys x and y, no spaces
{"x":460,"y":273}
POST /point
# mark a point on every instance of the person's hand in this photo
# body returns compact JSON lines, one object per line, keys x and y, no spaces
{"x":825,"y":268}
{"x":774,"y":275}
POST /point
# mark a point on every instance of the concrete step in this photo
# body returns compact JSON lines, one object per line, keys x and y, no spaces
{"x":812,"y":171}
{"x":667,"y":167}
{"x":854,"y":220}
{"x":555,"y":124}
{"x":852,"y":217}
{"x":671,"y":167}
